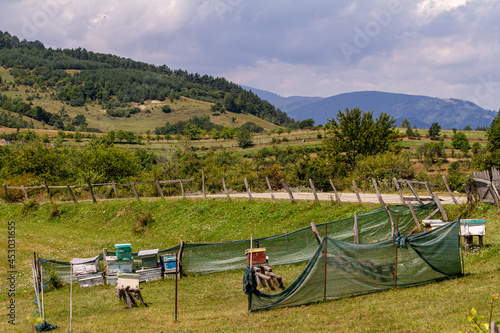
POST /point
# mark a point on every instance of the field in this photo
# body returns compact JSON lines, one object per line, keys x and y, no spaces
{"x":216,"y":302}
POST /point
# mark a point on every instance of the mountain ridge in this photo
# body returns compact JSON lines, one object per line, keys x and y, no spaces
{"x":420,"y":110}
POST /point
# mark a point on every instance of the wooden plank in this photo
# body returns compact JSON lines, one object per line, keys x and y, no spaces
{"x":434,"y":212}
{"x":379,"y":196}
{"x":248,"y":189}
{"x":225,"y":189}
{"x":315,"y":232}
{"x":90,"y":189}
{"x":71,"y":193}
{"x":104,"y":255}
{"x":415,"y":218}
{"x":203,"y":183}
{"x":176,"y":180}
{"x":47,"y":188}
{"x":356,"y":230}
{"x":440,"y":207}
{"x":356,"y":191}
{"x":414,"y":192}
{"x":115,"y":190}
{"x":337,"y":196}
{"x":419,"y":183}
{"x":159,"y":189}
{"x":288,"y":190}
{"x":449,"y":190}
{"x":472,"y":188}
{"x":396,"y":183}
{"x":270,"y":189}
{"x":135,"y":191}
{"x":314,"y":190}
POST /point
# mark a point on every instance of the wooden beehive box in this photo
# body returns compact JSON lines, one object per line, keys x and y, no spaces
{"x":258,"y":256}
{"x":128,"y":280}
{"x":123,"y":251}
{"x":149,"y":258}
{"x":82,"y":266}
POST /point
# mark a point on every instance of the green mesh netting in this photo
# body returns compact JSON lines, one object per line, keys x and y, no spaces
{"x":355,"y":269}
{"x":294,"y":247}
{"x":300,"y":245}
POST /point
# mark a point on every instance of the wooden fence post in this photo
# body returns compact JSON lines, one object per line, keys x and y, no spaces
{"x":159,"y":189}
{"x":135,"y":191}
{"x":115,"y":190}
{"x":203,"y":183}
{"x":90,"y":189}
{"x":71,"y":193}
{"x":470,"y":198}
{"x":449,"y":190}
{"x":25,"y":193}
{"x":288,"y":190}
{"x":225,"y":189}
{"x":356,"y":191}
{"x":337,"y":196}
{"x":314,"y":190}
{"x":414,"y":192}
{"x":315,"y":232}
{"x":182,"y":190}
{"x":6,"y":194}
{"x":440,"y":206}
{"x":396,"y":183}
{"x":415,"y":218}
{"x":379,"y":196}
{"x":47,"y":188}
{"x":248,"y":189}
{"x":270,"y":189}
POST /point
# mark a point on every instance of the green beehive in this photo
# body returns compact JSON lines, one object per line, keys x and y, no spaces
{"x":123,"y":251}
{"x":149,"y":258}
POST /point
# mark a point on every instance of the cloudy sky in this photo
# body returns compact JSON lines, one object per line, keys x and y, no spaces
{"x":438,"y":48}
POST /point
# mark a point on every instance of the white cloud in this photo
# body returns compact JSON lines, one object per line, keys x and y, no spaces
{"x":440,"y":48}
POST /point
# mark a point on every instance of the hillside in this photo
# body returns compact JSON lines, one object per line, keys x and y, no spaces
{"x":421,"y":111}
{"x":53,"y":86}
{"x":216,"y":302}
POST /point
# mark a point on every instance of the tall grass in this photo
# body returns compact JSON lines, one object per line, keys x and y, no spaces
{"x":216,"y":302}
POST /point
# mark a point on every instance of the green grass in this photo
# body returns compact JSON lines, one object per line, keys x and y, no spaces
{"x":216,"y":302}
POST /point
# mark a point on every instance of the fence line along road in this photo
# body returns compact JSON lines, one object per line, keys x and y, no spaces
{"x":345,"y":197}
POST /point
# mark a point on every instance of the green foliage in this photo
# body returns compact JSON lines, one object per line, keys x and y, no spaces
{"x":103,"y":78}
{"x":459,"y":141}
{"x":431,"y":153}
{"x":143,"y":222}
{"x":30,"y":206}
{"x":166,"y":108}
{"x":434,"y":131}
{"x":405,"y":123}
{"x":493,"y":136}
{"x":486,"y":161}
{"x":244,"y":138}
{"x":355,"y":133}
{"x":383,"y":167}
{"x":55,"y":279}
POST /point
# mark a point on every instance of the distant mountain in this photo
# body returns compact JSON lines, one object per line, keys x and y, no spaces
{"x":283,"y":103}
{"x":420,"y":111}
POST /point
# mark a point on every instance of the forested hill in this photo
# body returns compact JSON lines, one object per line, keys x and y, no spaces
{"x":79,"y":77}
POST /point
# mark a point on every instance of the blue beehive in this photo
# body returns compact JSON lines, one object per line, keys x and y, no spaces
{"x":168,"y":262}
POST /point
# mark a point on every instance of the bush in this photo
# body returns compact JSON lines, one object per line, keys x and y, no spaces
{"x":143,"y":222}
{"x":383,"y":167}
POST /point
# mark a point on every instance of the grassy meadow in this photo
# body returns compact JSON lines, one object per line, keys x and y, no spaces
{"x":216,"y":302}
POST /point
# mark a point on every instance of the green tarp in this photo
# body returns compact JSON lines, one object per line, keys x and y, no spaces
{"x":356,"y":269}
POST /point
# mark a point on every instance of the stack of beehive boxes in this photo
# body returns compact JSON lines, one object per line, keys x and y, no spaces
{"x":122,"y":262}
{"x":87,"y":271}
{"x":149,"y":270}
